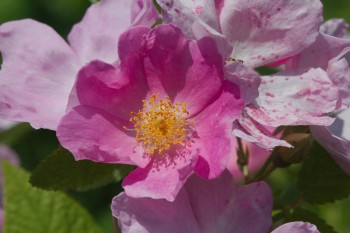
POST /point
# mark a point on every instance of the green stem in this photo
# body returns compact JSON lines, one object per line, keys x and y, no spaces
{"x":265,"y":170}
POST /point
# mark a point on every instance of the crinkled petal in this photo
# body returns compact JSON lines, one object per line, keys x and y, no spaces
{"x":222,"y":206}
{"x":103,"y":86}
{"x":37,"y":73}
{"x":96,"y":36}
{"x":335,"y":27}
{"x":251,"y":131}
{"x":338,"y":147}
{"x":184,"y":13}
{"x":247,"y":80}
{"x":146,"y":215}
{"x":325,"y":50}
{"x":295,"y":99}
{"x":296,"y":227}
{"x":339,"y":73}
{"x":265,"y":31}
{"x":90,"y":133}
{"x":162,"y":178}
{"x":213,"y":128}
{"x":186,"y":71}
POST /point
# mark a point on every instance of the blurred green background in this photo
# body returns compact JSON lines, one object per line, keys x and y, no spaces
{"x":33,"y":145}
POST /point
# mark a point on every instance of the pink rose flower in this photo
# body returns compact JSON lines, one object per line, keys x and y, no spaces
{"x":39,"y":67}
{"x":203,"y":206}
{"x":166,"y":108}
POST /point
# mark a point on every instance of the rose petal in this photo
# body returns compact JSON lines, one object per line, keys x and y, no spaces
{"x":102,"y":86}
{"x":162,"y":178}
{"x":184,"y":70}
{"x":37,"y":74}
{"x":251,"y":131}
{"x":338,"y":148}
{"x":325,"y":50}
{"x":335,"y":27}
{"x":295,"y":98}
{"x":247,"y":80}
{"x":339,"y":73}
{"x":184,"y":13}
{"x":143,"y":12}
{"x":265,"y":31}
{"x":296,"y":227}
{"x":90,"y":133}
{"x":146,"y":215}
{"x":213,"y":127}
{"x":221,"y":206}
{"x":96,"y":36}
{"x":201,"y":206}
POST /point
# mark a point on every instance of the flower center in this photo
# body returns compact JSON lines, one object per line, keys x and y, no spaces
{"x":160,"y":124}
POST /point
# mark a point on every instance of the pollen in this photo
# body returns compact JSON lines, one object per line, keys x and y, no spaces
{"x":161,"y":124}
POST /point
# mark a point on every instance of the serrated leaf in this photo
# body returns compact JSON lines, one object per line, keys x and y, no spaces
{"x":31,"y":210}
{"x":308,"y":216}
{"x":321,"y":180}
{"x":59,"y":171}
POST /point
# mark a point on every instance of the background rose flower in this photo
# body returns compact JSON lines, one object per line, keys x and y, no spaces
{"x":39,"y":67}
{"x":203,"y":206}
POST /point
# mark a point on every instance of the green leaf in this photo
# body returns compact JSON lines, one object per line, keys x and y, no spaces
{"x":28,"y":209}
{"x":321,"y":180}
{"x":308,"y":216}
{"x":59,"y":171}
{"x":266,"y":70}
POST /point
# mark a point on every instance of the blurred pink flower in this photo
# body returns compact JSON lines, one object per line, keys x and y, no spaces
{"x":39,"y":67}
{"x":203,"y":206}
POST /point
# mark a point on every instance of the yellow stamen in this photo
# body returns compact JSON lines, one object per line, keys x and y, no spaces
{"x":160,"y":125}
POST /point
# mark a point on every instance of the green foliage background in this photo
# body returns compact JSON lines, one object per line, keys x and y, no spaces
{"x":35,"y":145}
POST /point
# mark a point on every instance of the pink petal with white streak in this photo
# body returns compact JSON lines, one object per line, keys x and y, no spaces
{"x":295,"y":99}
{"x":265,"y":31}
